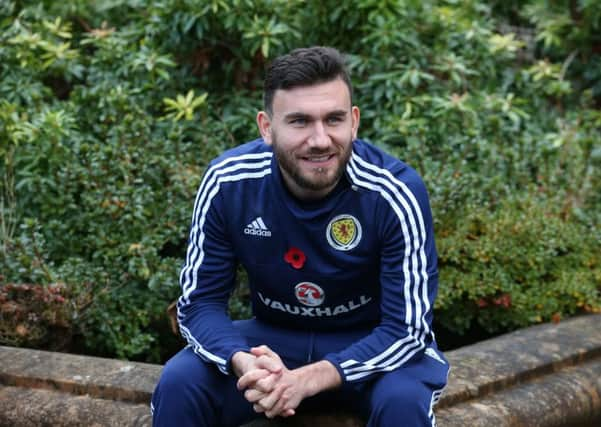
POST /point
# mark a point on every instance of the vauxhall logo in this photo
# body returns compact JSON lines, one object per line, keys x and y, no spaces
{"x":309,"y":294}
{"x":297,"y":310}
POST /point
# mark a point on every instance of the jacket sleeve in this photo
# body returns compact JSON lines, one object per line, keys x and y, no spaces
{"x":207,"y":280}
{"x":408,"y":280}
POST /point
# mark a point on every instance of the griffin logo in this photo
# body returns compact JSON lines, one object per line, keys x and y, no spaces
{"x":309,"y":294}
{"x":343,"y":232}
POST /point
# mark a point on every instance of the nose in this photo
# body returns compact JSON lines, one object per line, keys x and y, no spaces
{"x":320,"y":137}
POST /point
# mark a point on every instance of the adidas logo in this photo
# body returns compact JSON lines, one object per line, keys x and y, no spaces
{"x":257,"y":228}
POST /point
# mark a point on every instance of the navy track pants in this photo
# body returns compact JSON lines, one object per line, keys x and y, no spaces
{"x":192,"y":392}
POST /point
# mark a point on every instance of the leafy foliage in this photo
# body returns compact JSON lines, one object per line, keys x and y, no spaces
{"x":518,"y":265}
{"x":110,"y":110}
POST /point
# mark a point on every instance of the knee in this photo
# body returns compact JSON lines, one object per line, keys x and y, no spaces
{"x":406,"y":397}
{"x":181,"y":396}
{"x":176,"y":375}
{"x":408,"y":401}
{"x":187,"y":380}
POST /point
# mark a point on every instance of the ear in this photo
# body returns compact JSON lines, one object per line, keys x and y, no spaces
{"x":355,"y":118}
{"x":264,"y":124}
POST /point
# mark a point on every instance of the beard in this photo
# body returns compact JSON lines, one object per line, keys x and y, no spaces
{"x":318,"y":178}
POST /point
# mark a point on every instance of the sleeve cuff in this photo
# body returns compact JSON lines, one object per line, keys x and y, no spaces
{"x":333,"y":360}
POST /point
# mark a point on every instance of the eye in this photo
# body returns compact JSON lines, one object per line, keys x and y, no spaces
{"x":334,"y":120}
{"x":298,"y":121}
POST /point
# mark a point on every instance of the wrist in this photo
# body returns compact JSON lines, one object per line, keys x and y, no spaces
{"x":319,"y":376}
{"x":241,"y":361}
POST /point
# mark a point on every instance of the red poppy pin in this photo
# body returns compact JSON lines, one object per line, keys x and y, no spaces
{"x":295,"y":257}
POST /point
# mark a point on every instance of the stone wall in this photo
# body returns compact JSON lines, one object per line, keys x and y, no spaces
{"x":546,"y":375}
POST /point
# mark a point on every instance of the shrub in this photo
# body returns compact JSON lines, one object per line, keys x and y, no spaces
{"x":34,"y":316}
{"x":515,"y":266}
{"x":110,"y":111}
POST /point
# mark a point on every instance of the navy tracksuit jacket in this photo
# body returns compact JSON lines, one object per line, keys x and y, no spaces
{"x":363,"y":258}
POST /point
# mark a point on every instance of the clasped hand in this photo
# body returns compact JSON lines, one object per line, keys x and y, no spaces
{"x":270,"y":386}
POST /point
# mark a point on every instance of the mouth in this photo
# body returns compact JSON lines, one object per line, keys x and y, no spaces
{"x":317,"y":160}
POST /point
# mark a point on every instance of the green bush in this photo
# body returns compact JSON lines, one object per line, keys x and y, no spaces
{"x":515,"y":266}
{"x":110,"y":111}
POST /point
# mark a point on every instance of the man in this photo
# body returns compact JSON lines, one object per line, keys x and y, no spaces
{"x":337,"y":240}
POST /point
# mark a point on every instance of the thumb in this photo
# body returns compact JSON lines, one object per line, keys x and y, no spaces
{"x":273,"y":365}
{"x":263,"y":350}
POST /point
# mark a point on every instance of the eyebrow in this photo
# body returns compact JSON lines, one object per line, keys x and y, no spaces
{"x":299,"y":115}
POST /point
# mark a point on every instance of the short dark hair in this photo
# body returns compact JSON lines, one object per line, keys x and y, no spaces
{"x":304,"y":67}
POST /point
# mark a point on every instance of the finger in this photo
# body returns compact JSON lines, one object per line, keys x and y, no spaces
{"x":267,"y":384}
{"x":269,"y":401}
{"x":275,"y":411}
{"x":278,"y":406}
{"x":263,"y":350}
{"x":253,"y":396}
{"x":257,"y":408}
{"x":251,"y":377}
{"x":286,"y":405}
{"x":269,"y":363}
{"x":285,"y":413}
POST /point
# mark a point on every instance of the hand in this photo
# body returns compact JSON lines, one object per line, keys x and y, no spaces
{"x":243,"y":363}
{"x":265,"y":391}
{"x":259,"y":372}
{"x":290,"y":387}
{"x":276,"y":390}
{"x":287,"y":394}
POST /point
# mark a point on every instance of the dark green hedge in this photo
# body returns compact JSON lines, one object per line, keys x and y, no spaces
{"x":110,"y":110}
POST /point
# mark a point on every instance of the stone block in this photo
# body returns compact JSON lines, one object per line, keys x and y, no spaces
{"x":547,"y":376}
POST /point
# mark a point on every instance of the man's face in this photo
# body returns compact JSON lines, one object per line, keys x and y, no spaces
{"x":311,"y":129}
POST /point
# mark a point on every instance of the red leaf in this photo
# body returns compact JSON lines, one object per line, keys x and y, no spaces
{"x":481,"y":302}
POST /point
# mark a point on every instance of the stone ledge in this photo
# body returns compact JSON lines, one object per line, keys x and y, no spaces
{"x":568,"y":397}
{"x":30,"y":407}
{"x":499,"y":363}
{"x":546,"y":375}
{"x":79,"y":375}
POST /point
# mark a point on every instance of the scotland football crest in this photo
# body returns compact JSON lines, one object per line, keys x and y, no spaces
{"x":344,"y":232}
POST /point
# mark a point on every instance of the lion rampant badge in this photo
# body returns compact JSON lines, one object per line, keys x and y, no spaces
{"x":344,"y":232}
